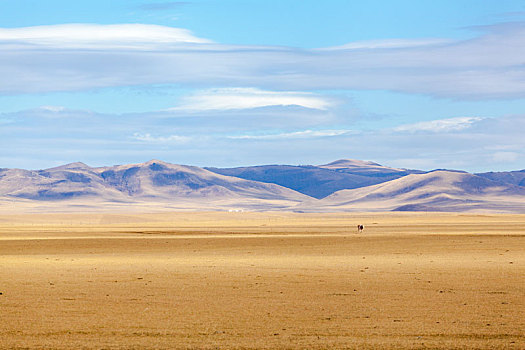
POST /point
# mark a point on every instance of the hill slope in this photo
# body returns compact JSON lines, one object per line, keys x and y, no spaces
{"x":434,"y":191}
{"x":152,"y":182}
{"x":157,"y":185}
{"x":319,"y":181}
{"x":511,"y":177}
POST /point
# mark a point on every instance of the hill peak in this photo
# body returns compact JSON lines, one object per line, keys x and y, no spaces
{"x":75,"y":165}
{"x":348,"y":163}
{"x":156,"y":161}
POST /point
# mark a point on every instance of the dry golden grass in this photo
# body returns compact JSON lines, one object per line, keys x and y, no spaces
{"x":262,"y":280}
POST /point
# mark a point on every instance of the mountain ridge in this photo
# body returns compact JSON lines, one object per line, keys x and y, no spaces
{"x":319,"y":181}
{"x":153,"y":181}
{"x":342,"y":185}
{"x":438,"y":190}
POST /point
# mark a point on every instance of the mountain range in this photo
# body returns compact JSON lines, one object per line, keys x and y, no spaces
{"x":322,"y":180}
{"x":343,"y":185}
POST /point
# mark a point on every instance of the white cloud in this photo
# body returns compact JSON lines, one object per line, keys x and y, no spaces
{"x":232,"y":139}
{"x":84,"y":56}
{"x":248,"y":98}
{"x":388,"y":44}
{"x":294,"y":135}
{"x":98,"y":36}
{"x":161,"y":139}
{"x":55,"y":109}
{"x":440,"y":125}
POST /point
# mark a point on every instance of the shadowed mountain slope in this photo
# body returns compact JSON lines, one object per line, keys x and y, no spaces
{"x":319,"y":181}
{"x":63,"y":182}
{"x":365,"y":168}
{"x":433,"y":191}
{"x":153,"y":181}
{"x":511,"y":177}
{"x":157,"y":185}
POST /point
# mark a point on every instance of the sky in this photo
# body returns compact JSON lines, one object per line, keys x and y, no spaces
{"x":415,"y":84}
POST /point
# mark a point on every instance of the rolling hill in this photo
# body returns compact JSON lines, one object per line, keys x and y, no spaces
{"x":157,"y":185}
{"x":322,"y":180}
{"x":434,"y":191}
{"x":152,"y":183}
{"x":511,"y":177}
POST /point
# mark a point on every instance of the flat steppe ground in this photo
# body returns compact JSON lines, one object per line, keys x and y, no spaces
{"x":262,"y":280}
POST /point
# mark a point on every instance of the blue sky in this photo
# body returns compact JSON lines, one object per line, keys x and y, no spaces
{"x":420,"y":84}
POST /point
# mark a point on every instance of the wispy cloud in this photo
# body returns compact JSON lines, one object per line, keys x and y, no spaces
{"x":294,"y":135}
{"x":54,"y":58}
{"x":97,"y":36}
{"x":440,"y":125}
{"x":249,"y":98}
{"x":389,"y":44}
{"x":230,"y":138}
{"x":55,"y":109}
{"x":161,"y":139}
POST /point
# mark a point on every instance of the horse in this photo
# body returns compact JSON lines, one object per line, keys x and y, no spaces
{"x":360,"y":228}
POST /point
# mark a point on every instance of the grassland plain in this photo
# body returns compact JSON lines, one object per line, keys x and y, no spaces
{"x":262,"y":280}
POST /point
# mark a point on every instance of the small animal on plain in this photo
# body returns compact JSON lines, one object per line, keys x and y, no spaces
{"x":360,"y":228}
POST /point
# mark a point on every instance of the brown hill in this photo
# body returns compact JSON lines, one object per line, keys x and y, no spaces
{"x":154,"y":183}
{"x":434,"y":191}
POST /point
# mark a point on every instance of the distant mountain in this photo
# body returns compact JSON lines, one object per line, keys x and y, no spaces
{"x":433,"y":191}
{"x":153,"y":181}
{"x":343,"y":185}
{"x":322,"y":180}
{"x":511,"y":177}
{"x":65,"y":182}
{"x":366,"y":168}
